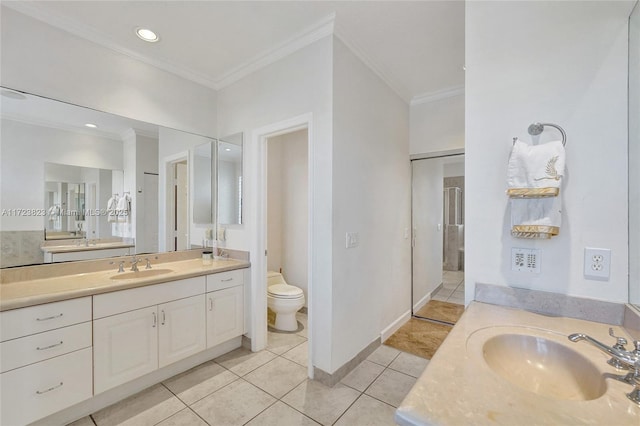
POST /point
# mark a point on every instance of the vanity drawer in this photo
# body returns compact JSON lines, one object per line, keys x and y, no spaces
{"x":117,"y":302}
{"x":36,"y":319}
{"x":224,"y":280}
{"x":38,"y":390}
{"x":39,"y":347}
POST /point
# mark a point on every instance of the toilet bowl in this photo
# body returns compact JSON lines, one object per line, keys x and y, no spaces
{"x":285,"y":300}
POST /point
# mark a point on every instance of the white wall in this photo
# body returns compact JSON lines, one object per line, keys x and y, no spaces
{"x":287,"y":207}
{"x":46,"y":61}
{"x":371,"y":196}
{"x":26,"y":147}
{"x":559,"y":62}
{"x":297,"y":84}
{"x":437,"y":125}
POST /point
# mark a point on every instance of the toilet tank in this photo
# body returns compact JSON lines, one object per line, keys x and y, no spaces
{"x":274,"y":278}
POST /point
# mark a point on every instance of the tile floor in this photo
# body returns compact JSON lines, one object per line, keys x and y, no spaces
{"x":270,"y":388}
{"x":452,"y":289}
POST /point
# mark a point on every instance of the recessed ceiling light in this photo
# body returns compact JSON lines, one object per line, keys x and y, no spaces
{"x":147,"y":35}
{"x":227,"y":149}
{"x":93,"y":126}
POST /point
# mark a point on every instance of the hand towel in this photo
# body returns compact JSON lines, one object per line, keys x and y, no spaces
{"x":124,"y":208}
{"x":536,"y":218}
{"x":112,"y":204}
{"x":535,"y":171}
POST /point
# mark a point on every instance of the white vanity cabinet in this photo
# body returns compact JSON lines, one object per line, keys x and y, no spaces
{"x":225,"y":306}
{"x":140,"y":330}
{"x":45,"y":359}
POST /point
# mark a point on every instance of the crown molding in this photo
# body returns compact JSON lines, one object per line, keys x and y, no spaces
{"x":59,"y":126}
{"x":377,"y":69}
{"x":319,"y":30}
{"x":85,"y":32}
{"x":437,"y":95}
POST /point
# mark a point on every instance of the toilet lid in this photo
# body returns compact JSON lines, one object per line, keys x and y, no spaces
{"x":285,"y":291}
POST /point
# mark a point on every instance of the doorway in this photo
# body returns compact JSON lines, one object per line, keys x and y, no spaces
{"x":257,"y":219}
{"x":438,"y":232}
{"x":177,"y":224}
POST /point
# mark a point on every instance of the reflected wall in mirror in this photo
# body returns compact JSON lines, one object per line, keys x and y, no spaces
{"x":634,"y":156}
{"x":203,"y":166}
{"x":229,"y":185}
{"x":44,"y":140}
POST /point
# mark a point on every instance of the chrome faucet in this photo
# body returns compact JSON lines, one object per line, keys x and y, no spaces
{"x":149,"y":262}
{"x":134,"y":264}
{"x":120,"y":265}
{"x":620,"y":356}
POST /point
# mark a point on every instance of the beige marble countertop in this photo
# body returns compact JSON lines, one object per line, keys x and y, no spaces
{"x":70,"y":248}
{"x":19,"y":294}
{"x":458,"y":386}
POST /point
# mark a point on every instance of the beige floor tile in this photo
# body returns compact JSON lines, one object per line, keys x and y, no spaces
{"x":85,"y":421}
{"x":302,"y":318}
{"x":242,"y":361}
{"x":280,"y":414}
{"x":200,"y":381}
{"x":185,"y":417}
{"x":456,"y":300}
{"x":383,"y":355}
{"x":148,"y":407}
{"x":322,"y":403}
{"x":440,"y":298}
{"x":363,"y":375}
{"x":391,"y":387}
{"x":277,"y":377}
{"x":409,"y":364}
{"x":367,"y":411}
{"x":279,"y":343}
{"x":235,"y":404}
{"x":299,"y":354}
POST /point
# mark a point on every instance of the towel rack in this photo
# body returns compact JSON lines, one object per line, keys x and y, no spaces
{"x":537,"y":128}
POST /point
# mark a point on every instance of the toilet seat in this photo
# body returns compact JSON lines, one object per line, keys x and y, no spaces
{"x":285,"y":291}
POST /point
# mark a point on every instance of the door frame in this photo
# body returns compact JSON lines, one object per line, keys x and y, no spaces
{"x":166,"y":218}
{"x":257,"y":224}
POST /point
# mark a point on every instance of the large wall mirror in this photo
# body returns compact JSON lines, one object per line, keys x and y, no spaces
{"x":230,"y":180}
{"x":71,"y":173}
{"x":634,"y":156}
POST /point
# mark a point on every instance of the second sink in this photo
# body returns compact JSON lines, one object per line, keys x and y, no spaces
{"x":144,"y":273}
{"x":543,"y":366}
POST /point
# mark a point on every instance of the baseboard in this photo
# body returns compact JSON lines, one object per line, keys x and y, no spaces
{"x":121,"y":392}
{"x":394,"y":326}
{"x":331,"y":379}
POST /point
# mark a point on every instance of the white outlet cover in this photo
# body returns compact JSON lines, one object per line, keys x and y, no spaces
{"x":597,"y":263}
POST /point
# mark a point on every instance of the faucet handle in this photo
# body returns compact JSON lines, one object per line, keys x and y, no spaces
{"x":621,"y":340}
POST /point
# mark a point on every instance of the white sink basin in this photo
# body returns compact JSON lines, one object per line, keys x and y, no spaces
{"x":145,"y":273}
{"x":544,"y":367}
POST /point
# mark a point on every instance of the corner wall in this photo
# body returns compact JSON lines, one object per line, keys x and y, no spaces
{"x":437,"y":125}
{"x":371,"y":196}
{"x":558,"y":62}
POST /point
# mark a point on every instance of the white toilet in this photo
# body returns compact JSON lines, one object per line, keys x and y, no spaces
{"x":284,"y":300}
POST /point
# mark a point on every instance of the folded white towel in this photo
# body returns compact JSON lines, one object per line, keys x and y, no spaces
{"x":112,"y":204}
{"x":536,"y":218}
{"x":535,"y":170}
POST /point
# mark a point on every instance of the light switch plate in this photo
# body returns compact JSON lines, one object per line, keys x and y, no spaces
{"x":525,"y":260}
{"x":352,"y":240}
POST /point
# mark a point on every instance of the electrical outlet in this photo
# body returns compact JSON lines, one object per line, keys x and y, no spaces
{"x":525,"y":260}
{"x":597,"y":263}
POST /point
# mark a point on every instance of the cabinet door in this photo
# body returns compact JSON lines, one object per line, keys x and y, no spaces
{"x":125,"y":347}
{"x":225,"y":315}
{"x":182,"y":329}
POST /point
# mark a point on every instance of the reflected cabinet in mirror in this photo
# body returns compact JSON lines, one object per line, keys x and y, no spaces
{"x":634,"y":156}
{"x":79,"y":180}
{"x":230,"y":180}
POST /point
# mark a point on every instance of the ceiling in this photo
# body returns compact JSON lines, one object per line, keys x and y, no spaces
{"x":417,"y":47}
